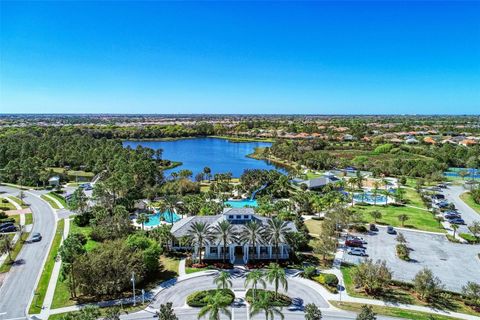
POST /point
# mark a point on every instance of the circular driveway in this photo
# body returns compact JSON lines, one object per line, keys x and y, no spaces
{"x":178,"y":292}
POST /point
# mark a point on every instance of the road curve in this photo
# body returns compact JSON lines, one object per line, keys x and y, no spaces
{"x":19,"y":284}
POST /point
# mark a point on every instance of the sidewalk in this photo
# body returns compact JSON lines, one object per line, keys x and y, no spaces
{"x":47,"y":302}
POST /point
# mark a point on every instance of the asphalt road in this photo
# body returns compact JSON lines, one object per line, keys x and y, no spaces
{"x":452,"y":193}
{"x":19,"y":283}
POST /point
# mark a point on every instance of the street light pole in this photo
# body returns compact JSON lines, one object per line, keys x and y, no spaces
{"x":133,"y":284}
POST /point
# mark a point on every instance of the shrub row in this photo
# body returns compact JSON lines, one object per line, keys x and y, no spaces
{"x":200,"y":298}
{"x":328,"y":280}
{"x":280,"y":300}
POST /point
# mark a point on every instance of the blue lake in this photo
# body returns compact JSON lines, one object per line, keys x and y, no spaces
{"x":220,"y":155}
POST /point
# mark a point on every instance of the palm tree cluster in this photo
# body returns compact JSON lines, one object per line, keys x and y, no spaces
{"x":253,"y":233}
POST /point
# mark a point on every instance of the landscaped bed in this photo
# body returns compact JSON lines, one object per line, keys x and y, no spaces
{"x":467,"y":198}
{"x":391,"y":311}
{"x":200,"y":298}
{"x":327,"y":280}
{"x":278,"y":300}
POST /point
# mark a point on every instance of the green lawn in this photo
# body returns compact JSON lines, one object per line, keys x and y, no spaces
{"x":5,"y":267}
{"x":18,"y":201}
{"x":6,"y":205}
{"x":86,"y":232}
{"x":467,"y":198}
{"x":42,"y":286}
{"x":28,"y":218}
{"x":60,"y":198}
{"x":413,"y":198}
{"x":314,"y":226}
{"x":418,"y":219}
{"x":391,"y":311}
{"x":73,"y":173}
{"x":125,"y":309}
{"x":52,"y":203}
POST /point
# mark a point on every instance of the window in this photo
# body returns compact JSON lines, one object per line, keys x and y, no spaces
{"x":246,"y":217}
{"x":239,"y":217}
{"x":213,"y":250}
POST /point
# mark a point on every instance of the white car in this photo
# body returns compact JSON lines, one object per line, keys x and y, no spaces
{"x":357,"y":252}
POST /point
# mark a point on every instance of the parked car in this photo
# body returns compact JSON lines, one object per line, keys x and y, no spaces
{"x":442,"y":185}
{"x":36,"y":237}
{"x":457,"y":221}
{"x":295,"y":307}
{"x":373,"y":227}
{"x":353,"y":243}
{"x":391,"y":230}
{"x":5,"y":224}
{"x":238,"y":303}
{"x":357,"y":252}
{"x":450,"y":216}
{"x":10,"y":228}
{"x":350,"y":237}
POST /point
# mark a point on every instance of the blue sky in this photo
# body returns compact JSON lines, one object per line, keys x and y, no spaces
{"x":240,"y":57}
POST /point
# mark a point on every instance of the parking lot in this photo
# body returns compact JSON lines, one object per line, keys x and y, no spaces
{"x":453,"y":263}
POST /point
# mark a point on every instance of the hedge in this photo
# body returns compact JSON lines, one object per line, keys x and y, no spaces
{"x":280,"y":300}
{"x":328,"y":280}
{"x":200,"y":298}
{"x":469,"y":237}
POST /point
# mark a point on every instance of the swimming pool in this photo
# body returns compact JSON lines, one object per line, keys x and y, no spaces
{"x":368,"y":197}
{"x":242,"y":203}
{"x":155,"y":219}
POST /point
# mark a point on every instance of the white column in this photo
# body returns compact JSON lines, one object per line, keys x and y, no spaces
{"x":232,"y":253}
{"x":245,"y":253}
{"x":207,"y":251}
{"x":270,"y":251}
{"x":258,"y":251}
{"x":218,"y":252}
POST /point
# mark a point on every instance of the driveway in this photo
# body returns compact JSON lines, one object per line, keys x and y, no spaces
{"x":178,"y":292}
{"x":19,"y":283}
{"x":455,"y":264}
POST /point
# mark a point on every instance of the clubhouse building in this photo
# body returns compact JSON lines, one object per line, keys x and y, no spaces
{"x":236,"y":252}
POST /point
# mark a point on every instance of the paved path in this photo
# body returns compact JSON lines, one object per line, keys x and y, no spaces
{"x":181,"y":268}
{"x":19,"y":284}
{"x":47,"y":302}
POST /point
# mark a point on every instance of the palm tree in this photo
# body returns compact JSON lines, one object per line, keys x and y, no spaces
{"x":252,"y":234}
{"x":376,"y":186}
{"x":255,"y":277}
{"x":276,"y":233}
{"x":142,"y":219}
{"x":360,"y":179}
{"x":222,"y":280}
{"x":353,"y":183}
{"x":200,"y":232}
{"x":276,"y":276}
{"x":385,"y":184}
{"x":216,"y":305}
{"x":170,"y":205}
{"x":224,"y":232}
{"x":376,"y":215}
{"x":454,"y":228}
{"x":402,"y":218}
{"x":263,"y":304}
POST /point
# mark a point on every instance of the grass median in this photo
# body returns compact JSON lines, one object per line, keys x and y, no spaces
{"x":391,"y":311}
{"x":50,"y":201}
{"x":42,"y":286}
{"x":467,"y":198}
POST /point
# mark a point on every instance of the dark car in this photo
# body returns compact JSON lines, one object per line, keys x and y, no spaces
{"x":36,"y":237}
{"x":390,"y":230}
{"x":450,"y":216}
{"x":442,"y":185}
{"x":353,"y":243}
{"x":10,"y":228}
{"x":5,"y":224}
{"x":457,"y":221}
{"x":373,"y":227}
